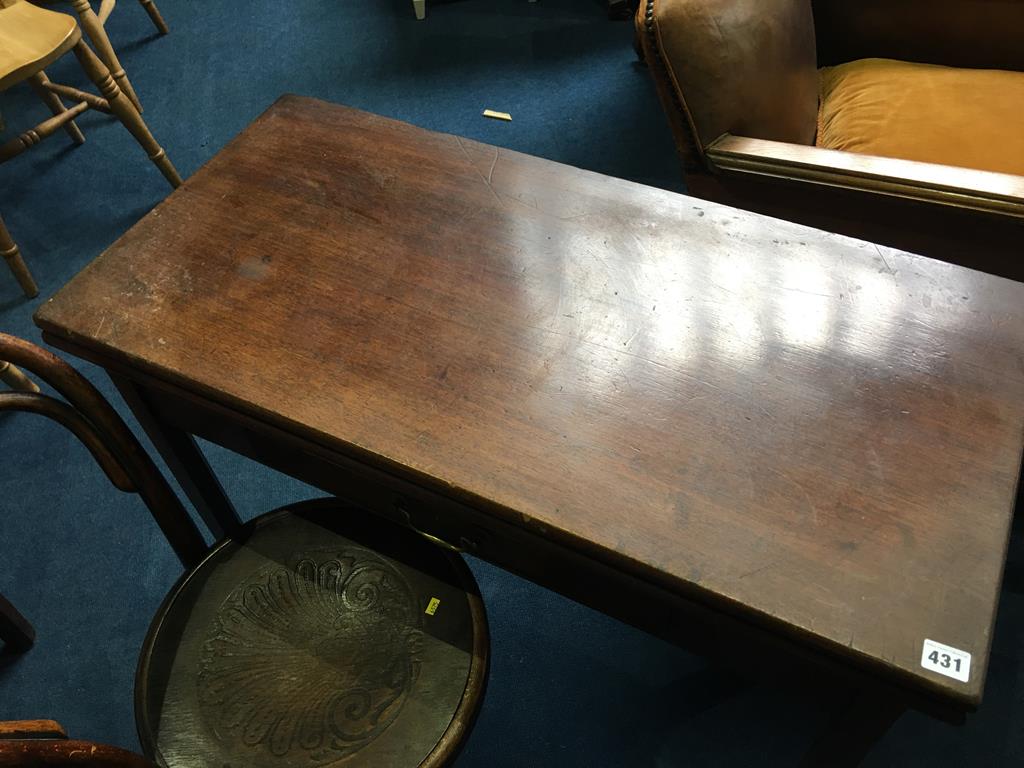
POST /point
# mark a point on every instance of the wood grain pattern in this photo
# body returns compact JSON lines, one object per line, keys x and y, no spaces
{"x":30,"y":39}
{"x":985,"y":241}
{"x":821,"y":435}
{"x":45,"y":743}
{"x":942,"y":184}
{"x":66,"y":752}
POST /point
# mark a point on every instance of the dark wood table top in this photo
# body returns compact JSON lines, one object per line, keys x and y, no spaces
{"x":809,"y":431}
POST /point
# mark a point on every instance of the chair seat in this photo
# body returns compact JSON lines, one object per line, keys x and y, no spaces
{"x":969,"y":118}
{"x":31,"y":38}
{"x":321,"y":634}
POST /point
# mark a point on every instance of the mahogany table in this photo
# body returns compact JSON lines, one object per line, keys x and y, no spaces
{"x":781,"y":447}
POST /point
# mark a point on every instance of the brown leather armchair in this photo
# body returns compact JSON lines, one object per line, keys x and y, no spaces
{"x":741,"y":85}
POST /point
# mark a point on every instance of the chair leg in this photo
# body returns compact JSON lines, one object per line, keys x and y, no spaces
{"x":9,"y":250}
{"x":94,"y":29}
{"x":13,"y":377}
{"x":15,"y":630}
{"x":154,"y":15}
{"x":125,"y":111}
{"x":52,"y":100}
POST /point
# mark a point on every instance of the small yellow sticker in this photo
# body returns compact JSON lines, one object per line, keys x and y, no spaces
{"x":432,"y":606}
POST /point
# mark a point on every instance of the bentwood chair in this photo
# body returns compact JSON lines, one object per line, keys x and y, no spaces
{"x":32,"y":38}
{"x":312,"y":635}
{"x":93,"y":23}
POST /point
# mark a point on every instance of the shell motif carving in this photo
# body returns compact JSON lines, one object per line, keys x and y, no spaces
{"x":311,"y":662}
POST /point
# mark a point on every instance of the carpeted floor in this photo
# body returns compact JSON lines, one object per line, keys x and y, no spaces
{"x":568,"y":686}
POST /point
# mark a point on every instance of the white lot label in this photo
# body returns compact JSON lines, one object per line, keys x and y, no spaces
{"x":951,"y":662}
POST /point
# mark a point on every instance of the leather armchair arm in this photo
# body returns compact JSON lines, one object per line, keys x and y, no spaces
{"x":746,"y":67}
{"x":962,"y":188}
{"x":983,"y":34}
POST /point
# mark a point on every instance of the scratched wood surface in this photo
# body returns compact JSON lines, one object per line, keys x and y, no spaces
{"x":814,"y":432}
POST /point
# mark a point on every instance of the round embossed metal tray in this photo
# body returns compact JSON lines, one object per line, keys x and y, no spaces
{"x":320,"y":636}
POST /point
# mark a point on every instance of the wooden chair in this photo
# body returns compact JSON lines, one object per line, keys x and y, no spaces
{"x":31,"y":38}
{"x":313,"y":634}
{"x":45,"y":744}
{"x":93,"y":23}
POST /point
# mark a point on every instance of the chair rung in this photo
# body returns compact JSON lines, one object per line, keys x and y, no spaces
{"x":94,"y":101}
{"x":33,"y":136}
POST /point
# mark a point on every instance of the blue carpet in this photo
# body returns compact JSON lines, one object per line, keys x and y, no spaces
{"x":568,"y":686}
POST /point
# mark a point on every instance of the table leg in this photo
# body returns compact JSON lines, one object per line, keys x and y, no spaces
{"x":185,"y":460}
{"x":15,"y":630}
{"x":856,"y":728}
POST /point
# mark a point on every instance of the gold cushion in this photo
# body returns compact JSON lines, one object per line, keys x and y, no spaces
{"x":973,"y":118}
